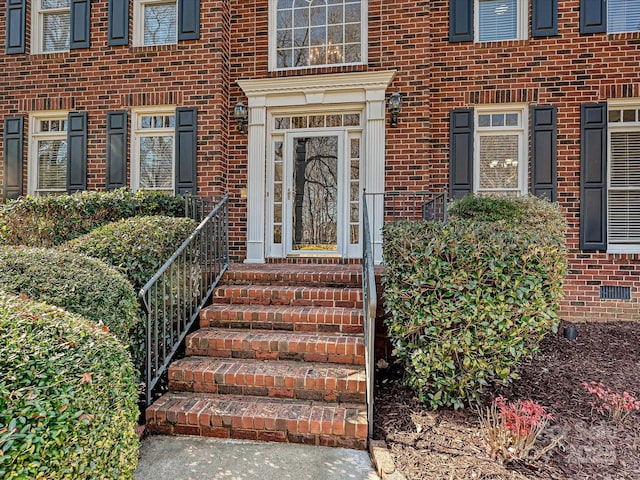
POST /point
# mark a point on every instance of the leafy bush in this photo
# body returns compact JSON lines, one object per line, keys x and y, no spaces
{"x":51,"y":220}
{"x":466,"y":302}
{"x":531,"y":214}
{"x":79,"y":284}
{"x":138,"y":246}
{"x":67,"y":396}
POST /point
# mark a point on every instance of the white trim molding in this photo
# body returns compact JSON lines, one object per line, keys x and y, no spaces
{"x":367,"y":89}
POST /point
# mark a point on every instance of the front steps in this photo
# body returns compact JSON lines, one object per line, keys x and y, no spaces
{"x":279,"y":357}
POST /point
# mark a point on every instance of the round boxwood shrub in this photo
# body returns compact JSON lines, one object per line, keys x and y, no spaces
{"x":138,"y":246}
{"x":466,"y":302}
{"x":78,"y":284}
{"x":67,"y":396}
{"x":51,"y":220}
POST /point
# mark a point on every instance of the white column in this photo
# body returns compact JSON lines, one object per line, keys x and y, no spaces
{"x":255,"y":180}
{"x":375,"y":160}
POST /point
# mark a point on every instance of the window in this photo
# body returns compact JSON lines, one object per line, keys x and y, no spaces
{"x":153,"y":150}
{"x":306,"y":33}
{"x":156,"y":22}
{"x":623,"y":189}
{"x":52,"y":20}
{"x":499,"y":20}
{"x":500,"y":156}
{"x":48,"y":159}
{"x":623,"y":16}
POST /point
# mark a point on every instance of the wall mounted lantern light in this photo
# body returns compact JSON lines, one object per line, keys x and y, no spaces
{"x":241,"y":114}
{"x":395,"y":105}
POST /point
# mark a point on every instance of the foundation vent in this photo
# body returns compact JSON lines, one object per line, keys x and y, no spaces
{"x":615,"y":293}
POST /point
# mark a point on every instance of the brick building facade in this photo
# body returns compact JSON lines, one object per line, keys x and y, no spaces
{"x":512,"y":96}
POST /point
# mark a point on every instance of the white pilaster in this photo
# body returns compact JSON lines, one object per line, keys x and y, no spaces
{"x":255,"y":180}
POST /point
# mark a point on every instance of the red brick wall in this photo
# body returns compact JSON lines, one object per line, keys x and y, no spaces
{"x":103,"y":78}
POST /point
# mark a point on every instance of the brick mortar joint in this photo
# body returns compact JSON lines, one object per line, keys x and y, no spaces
{"x":383,"y":461}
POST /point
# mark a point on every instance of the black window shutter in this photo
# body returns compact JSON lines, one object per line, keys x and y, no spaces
{"x":544,"y":152}
{"x":593,"y":177}
{"x":188,"y":19}
{"x":77,"y":152}
{"x":544,"y":21}
{"x":80,"y":24}
{"x":461,"y":152}
{"x":16,"y":11}
{"x":460,"y":20}
{"x":186,"y":150}
{"x":118,"y":22}
{"x":13,"y":157}
{"x":116,"y":149}
{"x":593,"y":16}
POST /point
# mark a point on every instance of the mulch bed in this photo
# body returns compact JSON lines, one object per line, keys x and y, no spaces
{"x":446,"y":444}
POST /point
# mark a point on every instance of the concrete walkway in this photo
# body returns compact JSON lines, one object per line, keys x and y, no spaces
{"x":196,"y":458}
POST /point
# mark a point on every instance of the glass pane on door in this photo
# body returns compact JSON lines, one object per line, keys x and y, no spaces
{"x":315,"y":194}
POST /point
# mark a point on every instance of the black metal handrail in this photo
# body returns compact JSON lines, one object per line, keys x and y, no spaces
{"x":173,"y":297}
{"x":370,"y":307}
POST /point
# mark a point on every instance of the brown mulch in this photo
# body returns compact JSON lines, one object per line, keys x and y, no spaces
{"x":446,"y":444}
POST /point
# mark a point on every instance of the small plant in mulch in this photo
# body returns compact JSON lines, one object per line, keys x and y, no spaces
{"x":616,"y":406}
{"x":509,"y":430}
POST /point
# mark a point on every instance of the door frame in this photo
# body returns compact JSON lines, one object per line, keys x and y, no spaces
{"x":367,"y":89}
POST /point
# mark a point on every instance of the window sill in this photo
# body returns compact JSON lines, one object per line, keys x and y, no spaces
{"x":154,"y":48}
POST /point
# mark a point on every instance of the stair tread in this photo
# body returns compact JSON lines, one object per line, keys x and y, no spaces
{"x":244,"y":307}
{"x":266,"y":367}
{"x":213,"y":332}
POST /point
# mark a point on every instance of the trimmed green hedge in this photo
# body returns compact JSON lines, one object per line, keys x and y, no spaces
{"x":67,"y":396}
{"x":79,"y":284}
{"x":51,"y":220}
{"x":531,"y":214}
{"x":138,"y":246}
{"x":466,"y":302}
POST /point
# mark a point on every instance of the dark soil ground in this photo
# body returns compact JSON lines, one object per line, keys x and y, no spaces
{"x":447,"y":445}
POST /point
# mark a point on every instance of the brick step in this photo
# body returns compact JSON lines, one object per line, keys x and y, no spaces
{"x":275,"y":345}
{"x":286,"y":295}
{"x":259,"y":418}
{"x":300,"y":380}
{"x":293,"y":274}
{"x":274,"y":317}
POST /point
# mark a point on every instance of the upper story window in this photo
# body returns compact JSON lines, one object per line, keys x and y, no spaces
{"x":153,"y":150}
{"x":155,"y":22}
{"x":307,"y":33}
{"x":623,"y":16}
{"x":52,"y":20}
{"x":48,"y":154}
{"x":498,"y":20}
{"x":500,"y":153}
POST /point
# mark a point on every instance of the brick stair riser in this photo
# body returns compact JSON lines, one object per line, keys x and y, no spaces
{"x":209,"y":378}
{"x":294,"y":296}
{"x":307,"y":351}
{"x":287,"y":319}
{"x":321,"y":279}
{"x":315,"y":425}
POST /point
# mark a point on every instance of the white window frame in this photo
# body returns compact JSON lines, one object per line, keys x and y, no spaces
{"x":521,"y":131}
{"x":34,"y":137}
{"x":273,"y":40}
{"x":37,"y":30}
{"x":138,"y":21}
{"x":612,"y":7}
{"x":613,"y":127}
{"x":522,"y":22}
{"x":138,"y":133}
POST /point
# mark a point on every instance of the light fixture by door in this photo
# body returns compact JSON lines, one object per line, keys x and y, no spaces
{"x":241,"y":114}
{"x":395,"y":105}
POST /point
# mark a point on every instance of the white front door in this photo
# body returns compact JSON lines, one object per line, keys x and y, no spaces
{"x":314,"y":190}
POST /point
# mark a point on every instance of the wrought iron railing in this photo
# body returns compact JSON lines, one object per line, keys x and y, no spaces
{"x":173,"y":297}
{"x":429,"y":206}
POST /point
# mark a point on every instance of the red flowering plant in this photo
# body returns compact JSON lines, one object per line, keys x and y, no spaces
{"x":617,"y":406}
{"x":510,"y":429}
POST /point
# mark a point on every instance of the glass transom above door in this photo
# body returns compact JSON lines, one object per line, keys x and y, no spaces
{"x":313,"y":185}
